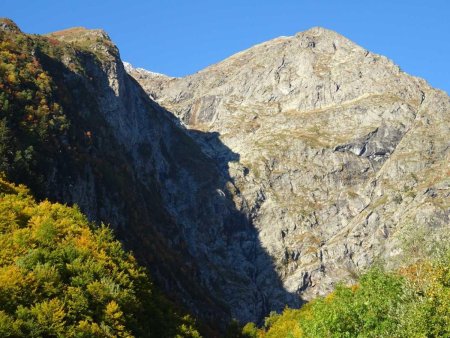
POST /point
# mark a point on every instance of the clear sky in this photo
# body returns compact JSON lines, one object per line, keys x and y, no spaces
{"x":179,"y":37}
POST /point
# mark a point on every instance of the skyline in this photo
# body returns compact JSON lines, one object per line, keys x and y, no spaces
{"x":178,"y":38}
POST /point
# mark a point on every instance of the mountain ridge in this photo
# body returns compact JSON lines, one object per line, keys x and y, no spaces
{"x":316,"y":30}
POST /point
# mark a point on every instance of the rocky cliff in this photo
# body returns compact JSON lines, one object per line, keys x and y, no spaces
{"x":342,"y":158}
{"x":126,"y":161}
{"x":251,"y":185}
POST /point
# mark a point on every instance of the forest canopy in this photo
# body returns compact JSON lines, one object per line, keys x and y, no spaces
{"x":62,"y":276}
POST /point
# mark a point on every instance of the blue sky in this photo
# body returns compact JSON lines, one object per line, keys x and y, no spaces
{"x":178,"y":37}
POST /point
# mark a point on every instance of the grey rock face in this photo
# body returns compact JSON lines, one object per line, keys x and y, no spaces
{"x":135,"y":167}
{"x":339,"y":155}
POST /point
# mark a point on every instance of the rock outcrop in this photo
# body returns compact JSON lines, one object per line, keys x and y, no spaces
{"x":341,"y":156}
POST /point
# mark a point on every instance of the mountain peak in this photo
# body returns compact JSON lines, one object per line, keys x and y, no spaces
{"x":328,"y":135}
{"x":318,"y":30}
{"x":93,"y":40}
{"x":131,"y":69}
{"x":323,"y":36}
{"x":9,"y":25}
{"x":80,"y":33}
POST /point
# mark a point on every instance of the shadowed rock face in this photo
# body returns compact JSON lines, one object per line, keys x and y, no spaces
{"x":341,"y":155}
{"x":128,"y":162}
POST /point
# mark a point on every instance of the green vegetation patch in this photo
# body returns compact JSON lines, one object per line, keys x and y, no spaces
{"x":413,"y":302}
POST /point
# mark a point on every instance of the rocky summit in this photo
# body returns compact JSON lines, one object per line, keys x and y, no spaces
{"x":254,"y":184}
{"x":337,"y":156}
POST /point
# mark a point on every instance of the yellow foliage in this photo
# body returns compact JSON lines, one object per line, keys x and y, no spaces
{"x":284,"y":325}
{"x":113,"y":311}
{"x":69,"y":278}
{"x":89,"y":329}
{"x":50,"y":314}
{"x":12,"y":79}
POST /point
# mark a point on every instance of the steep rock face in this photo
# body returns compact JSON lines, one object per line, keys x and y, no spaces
{"x":342,"y":156}
{"x":128,"y":162}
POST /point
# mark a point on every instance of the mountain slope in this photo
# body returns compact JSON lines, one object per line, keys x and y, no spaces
{"x":304,"y":160}
{"x":78,"y":129}
{"x":342,"y":156}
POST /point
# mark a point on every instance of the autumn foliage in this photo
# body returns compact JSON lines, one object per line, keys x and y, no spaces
{"x":31,"y":119}
{"x":61,"y":276}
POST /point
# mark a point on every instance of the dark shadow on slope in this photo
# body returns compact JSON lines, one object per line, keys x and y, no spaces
{"x":168,"y":201}
{"x":250,"y":265}
{"x":213,"y":147}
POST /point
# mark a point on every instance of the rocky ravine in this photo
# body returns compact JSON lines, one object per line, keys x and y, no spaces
{"x":341,"y":156}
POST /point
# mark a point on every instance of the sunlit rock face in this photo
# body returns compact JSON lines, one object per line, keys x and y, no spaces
{"x":341,"y":156}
